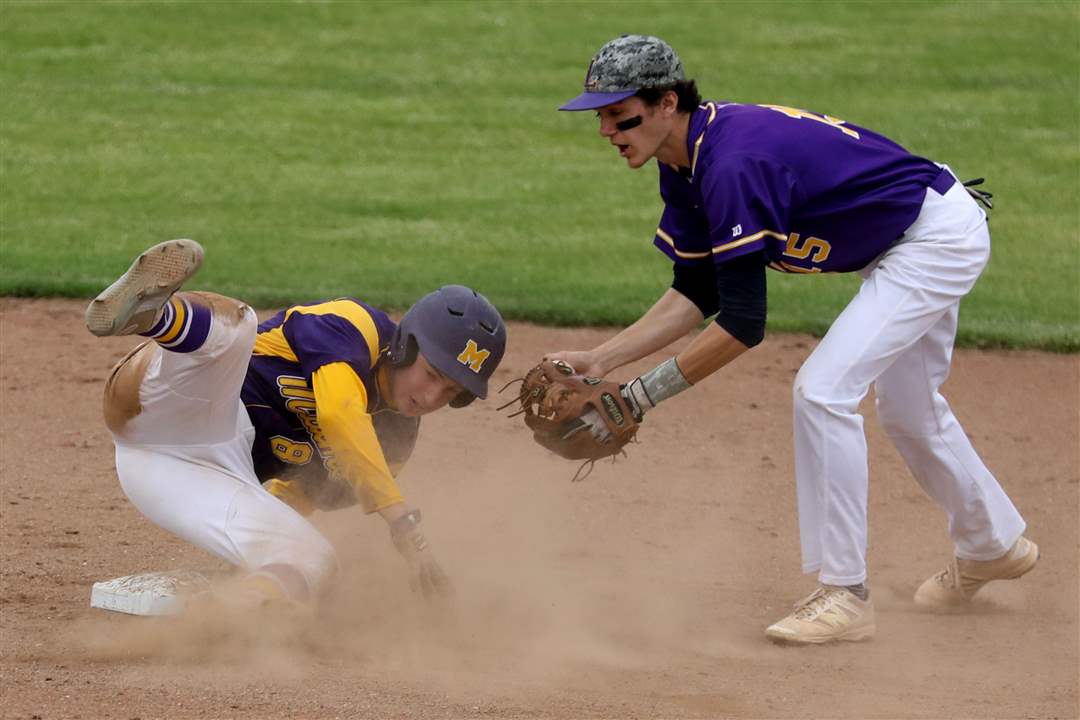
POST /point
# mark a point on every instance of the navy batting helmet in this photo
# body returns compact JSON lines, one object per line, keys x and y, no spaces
{"x":459,"y":332}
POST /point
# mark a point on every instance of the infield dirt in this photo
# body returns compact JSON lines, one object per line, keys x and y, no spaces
{"x":640,"y":592}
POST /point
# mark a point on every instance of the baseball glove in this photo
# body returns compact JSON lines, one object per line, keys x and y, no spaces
{"x":575,"y":416}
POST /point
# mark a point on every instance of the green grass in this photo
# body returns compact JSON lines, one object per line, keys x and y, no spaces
{"x":383,"y":149}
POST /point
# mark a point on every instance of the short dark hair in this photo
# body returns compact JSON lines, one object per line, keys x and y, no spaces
{"x":689,"y":97}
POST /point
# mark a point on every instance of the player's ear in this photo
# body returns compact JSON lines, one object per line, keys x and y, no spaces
{"x":670,"y":102}
{"x":462,"y":399}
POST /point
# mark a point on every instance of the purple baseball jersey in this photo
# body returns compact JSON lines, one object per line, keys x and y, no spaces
{"x":815,"y":193}
{"x":278,"y":393}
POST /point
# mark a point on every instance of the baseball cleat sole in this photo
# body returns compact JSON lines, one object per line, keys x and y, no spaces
{"x":779,"y":637}
{"x":131,"y":304}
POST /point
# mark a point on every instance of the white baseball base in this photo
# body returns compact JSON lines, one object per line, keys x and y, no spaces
{"x":153,"y":594}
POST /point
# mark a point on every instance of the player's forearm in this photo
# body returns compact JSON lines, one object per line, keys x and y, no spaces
{"x":357,"y":458}
{"x":670,"y":318}
{"x":707,"y":353}
{"x":711,"y":350}
{"x":390,"y":513}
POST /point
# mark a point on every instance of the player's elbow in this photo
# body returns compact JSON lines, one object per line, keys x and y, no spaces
{"x":749,"y":329}
{"x":333,"y":421}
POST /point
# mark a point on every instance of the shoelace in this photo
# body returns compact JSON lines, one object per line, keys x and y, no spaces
{"x":946,"y":577}
{"x":815,"y":604}
{"x":952,"y":578}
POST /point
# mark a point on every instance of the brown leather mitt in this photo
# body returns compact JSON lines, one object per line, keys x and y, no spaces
{"x":575,"y":416}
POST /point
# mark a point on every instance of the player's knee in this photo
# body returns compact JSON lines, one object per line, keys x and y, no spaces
{"x":226,"y":310}
{"x":810,"y":390}
{"x":308,"y":574}
{"x":290,"y":580}
{"x":233,"y":326}
{"x":815,"y":396}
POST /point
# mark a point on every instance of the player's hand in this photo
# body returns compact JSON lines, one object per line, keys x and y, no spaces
{"x":427,"y":577}
{"x":584,"y":362}
{"x":592,"y":423}
{"x":430,"y":581}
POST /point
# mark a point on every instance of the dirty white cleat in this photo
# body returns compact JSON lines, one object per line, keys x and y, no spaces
{"x":828,"y":614}
{"x":956,"y":585}
{"x":131,"y":304}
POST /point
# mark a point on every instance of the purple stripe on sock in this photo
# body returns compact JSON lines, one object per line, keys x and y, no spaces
{"x":163,"y":322}
{"x":198,"y":328}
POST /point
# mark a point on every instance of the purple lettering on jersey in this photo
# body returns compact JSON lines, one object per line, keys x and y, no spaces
{"x":815,"y":193}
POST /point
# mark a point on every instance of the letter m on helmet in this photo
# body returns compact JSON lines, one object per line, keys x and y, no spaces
{"x":472,"y":356}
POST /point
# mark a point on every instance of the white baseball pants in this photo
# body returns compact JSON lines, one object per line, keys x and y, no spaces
{"x":185,"y":461}
{"x":897,"y":333}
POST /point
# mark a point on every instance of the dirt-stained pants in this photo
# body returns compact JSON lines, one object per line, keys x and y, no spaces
{"x":183,"y":454}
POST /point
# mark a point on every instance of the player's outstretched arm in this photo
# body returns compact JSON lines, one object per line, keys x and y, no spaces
{"x":428,"y":577}
{"x":349,"y":433}
{"x":670,"y":317}
{"x":714,"y":348}
{"x":341,"y":400}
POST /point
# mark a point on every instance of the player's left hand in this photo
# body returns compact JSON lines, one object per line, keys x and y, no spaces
{"x":584,"y":362}
{"x":577,"y":417}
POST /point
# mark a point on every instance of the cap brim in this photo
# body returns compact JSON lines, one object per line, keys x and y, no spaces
{"x":593,"y":100}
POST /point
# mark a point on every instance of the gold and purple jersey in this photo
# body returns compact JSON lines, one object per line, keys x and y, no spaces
{"x":313,"y":393}
{"x":815,"y":193}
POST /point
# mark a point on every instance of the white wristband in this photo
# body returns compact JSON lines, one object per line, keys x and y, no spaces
{"x":663,"y":381}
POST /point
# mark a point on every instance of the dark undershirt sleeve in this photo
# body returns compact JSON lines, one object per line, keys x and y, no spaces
{"x":697,"y":283}
{"x":734,"y":291}
{"x":741,"y":293}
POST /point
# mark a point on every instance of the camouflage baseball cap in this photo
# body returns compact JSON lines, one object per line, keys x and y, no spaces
{"x":624,"y":66}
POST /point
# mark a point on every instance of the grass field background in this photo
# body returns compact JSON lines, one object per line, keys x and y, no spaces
{"x":383,"y":149}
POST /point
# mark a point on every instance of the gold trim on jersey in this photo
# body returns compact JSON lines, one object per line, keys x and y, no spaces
{"x":697,"y":143}
{"x":782,"y":266}
{"x":273,"y":342}
{"x":747,"y":240}
{"x":829,"y":120}
{"x":668,"y":239}
{"x":358,"y":316}
{"x":719,"y":248}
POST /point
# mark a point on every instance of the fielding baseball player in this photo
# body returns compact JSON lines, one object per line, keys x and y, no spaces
{"x":228,"y":433}
{"x":750,"y":187}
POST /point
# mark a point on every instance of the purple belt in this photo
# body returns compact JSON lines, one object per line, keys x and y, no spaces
{"x":943,"y":182}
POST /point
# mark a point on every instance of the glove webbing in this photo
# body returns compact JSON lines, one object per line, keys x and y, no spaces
{"x":979,"y":196}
